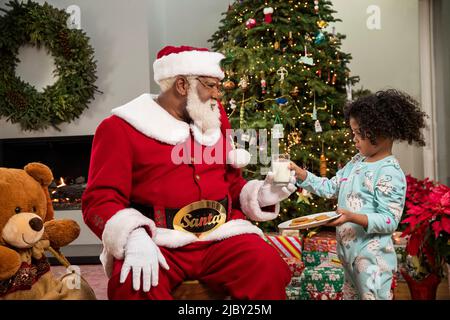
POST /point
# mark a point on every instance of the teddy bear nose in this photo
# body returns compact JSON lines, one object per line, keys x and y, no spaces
{"x":36,"y":224}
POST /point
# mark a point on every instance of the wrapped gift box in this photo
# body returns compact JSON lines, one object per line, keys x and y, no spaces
{"x":296,"y":282}
{"x":295,"y":265}
{"x":287,"y":246}
{"x":323,"y":241}
{"x":315,"y":295}
{"x":314,"y":258}
{"x":322,"y":279}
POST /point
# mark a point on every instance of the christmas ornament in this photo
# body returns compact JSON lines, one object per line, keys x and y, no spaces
{"x":243,"y":83}
{"x":306,"y":60}
{"x":282,"y":73}
{"x":281,"y":101}
{"x":233,"y":104}
{"x":320,"y":38}
{"x":277,"y":131}
{"x":319,"y":73}
{"x":317,"y":126}
{"x":229,"y":85}
{"x":314,"y":113}
{"x":290,"y":41}
{"x":263,"y":86}
{"x":268,"y":14}
{"x":294,"y":92}
{"x":316,"y":6}
{"x":322,"y":24}
{"x":333,"y":121}
{"x":276,"y":45}
{"x":323,"y":165}
{"x":304,"y":196}
{"x":348,"y":89}
{"x":250,"y":23}
{"x":333,"y":79}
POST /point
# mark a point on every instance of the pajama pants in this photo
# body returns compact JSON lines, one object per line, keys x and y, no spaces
{"x":370,"y":282}
{"x":243,"y":266}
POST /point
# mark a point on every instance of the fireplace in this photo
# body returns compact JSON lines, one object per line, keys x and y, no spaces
{"x":67,"y":157}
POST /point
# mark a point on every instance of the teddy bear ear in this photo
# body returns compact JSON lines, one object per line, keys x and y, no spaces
{"x":40,"y":172}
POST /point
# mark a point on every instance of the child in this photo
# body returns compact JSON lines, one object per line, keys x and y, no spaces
{"x":371,"y":190}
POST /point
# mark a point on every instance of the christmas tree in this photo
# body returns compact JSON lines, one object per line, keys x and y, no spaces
{"x":285,"y":73}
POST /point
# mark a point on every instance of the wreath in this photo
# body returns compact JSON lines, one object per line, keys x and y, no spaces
{"x":65,"y":100}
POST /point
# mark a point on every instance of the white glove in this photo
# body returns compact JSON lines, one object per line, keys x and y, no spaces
{"x":271,"y":194}
{"x":142,"y":255}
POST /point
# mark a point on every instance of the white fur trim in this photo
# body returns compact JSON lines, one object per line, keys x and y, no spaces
{"x":268,"y":10}
{"x":148,"y":117}
{"x":238,"y":158}
{"x":232,"y":228}
{"x":250,"y":205}
{"x":199,"y":63}
{"x":119,"y":227}
{"x":208,"y":138}
{"x":170,"y":238}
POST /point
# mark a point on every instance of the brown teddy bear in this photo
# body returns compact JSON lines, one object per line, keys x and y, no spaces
{"x":27,"y":228}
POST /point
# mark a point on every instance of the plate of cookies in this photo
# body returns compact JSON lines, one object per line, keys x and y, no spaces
{"x":309,"y":221}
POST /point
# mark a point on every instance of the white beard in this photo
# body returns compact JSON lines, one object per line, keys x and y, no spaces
{"x":206,"y":115}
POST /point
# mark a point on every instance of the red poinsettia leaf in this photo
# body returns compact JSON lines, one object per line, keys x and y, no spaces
{"x":445,"y":222}
{"x":437,"y":228}
{"x":413,"y":244}
{"x":445,"y":200}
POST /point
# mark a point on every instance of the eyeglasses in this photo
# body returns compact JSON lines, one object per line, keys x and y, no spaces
{"x":210,"y":86}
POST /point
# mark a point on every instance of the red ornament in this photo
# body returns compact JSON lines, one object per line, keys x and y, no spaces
{"x":250,"y":23}
{"x":268,"y":14}
{"x":263,"y":86}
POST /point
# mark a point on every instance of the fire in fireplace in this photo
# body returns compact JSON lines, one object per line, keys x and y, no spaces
{"x":67,"y":157}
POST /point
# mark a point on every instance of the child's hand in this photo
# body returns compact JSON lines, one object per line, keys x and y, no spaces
{"x":346,"y":216}
{"x":299,"y":172}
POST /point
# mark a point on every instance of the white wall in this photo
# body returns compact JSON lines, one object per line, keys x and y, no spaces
{"x":127,"y":35}
{"x":385,"y":58}
{"x":119,"y":34}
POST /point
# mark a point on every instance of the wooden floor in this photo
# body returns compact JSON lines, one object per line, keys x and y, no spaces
{"x":402,"y":291}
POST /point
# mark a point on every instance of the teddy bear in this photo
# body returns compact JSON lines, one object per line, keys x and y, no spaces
{"x":27,"y":229}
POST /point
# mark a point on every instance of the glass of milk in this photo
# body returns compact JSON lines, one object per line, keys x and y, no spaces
{"x":280,"y":168}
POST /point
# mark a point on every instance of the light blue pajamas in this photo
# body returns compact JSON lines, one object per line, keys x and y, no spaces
{"x":378,"y":190}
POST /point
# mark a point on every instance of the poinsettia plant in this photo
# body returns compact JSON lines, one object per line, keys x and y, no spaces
{"x":427,"y":220}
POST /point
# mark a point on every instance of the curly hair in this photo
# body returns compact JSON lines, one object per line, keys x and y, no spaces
{"x":389,"y":114}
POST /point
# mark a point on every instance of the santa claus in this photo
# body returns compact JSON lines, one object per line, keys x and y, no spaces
{"x":161,"y":221}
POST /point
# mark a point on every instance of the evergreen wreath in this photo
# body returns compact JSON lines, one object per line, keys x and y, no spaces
{"x":65,"y":100}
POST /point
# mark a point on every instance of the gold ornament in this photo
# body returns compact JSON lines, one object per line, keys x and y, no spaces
{"x":294,"y":92}
{"x":243,"y":83}
{"x":229,"y":85}
{"x":276,"y":45}
{"x":333,"y":121}
{"x":322,"y":24}
{"x":323,"y":165}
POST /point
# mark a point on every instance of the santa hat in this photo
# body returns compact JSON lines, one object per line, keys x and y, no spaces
{"x":174,"y":61}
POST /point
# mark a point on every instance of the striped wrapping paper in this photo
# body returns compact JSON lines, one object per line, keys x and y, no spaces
{"x":289,"y":247}
{"x":324,"y":241}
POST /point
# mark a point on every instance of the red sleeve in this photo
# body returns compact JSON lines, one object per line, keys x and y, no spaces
{"x":109,"y":179}
{"x":233,"y":175}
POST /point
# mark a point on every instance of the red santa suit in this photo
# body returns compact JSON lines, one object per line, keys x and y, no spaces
{"x":132,"y":161}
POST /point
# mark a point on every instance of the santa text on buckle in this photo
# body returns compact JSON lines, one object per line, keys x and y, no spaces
{"x":200,"y":217}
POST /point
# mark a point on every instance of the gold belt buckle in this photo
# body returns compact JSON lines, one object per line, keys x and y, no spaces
{"x":200,"y":217}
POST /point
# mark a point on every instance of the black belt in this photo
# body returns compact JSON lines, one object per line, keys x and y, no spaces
{"x":168,"y":213}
